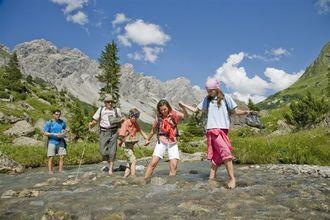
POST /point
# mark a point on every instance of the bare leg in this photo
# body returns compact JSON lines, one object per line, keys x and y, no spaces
{"x":213,"y":172}
{"x":173,"y":165}
{"x":50,"y":165}
{"x":133,"y":167}
{"x":230,"y":170}
{"x":110,"y":168}
{"x":151,"y":167}
{"x":127,"y":170}
{"x":60,"y":164}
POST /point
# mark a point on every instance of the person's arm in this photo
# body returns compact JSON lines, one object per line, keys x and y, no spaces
{"x":184,"y":110}
{"x":95,"y":118}
{"x":144,"y":135}
{"x":238,"y":111}
{"x":46,"y":131}
{"x":151,"y":133}
{"x":188,"y":107}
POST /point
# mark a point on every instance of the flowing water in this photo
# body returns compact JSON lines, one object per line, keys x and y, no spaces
{"x":261,"y":193}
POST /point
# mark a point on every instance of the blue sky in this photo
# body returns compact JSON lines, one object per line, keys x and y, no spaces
{"x":253,"y":47}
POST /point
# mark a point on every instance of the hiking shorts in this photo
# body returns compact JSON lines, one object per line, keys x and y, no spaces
{"x":55,"y":149}
{"x":172,"y":149}
{"x":129,"y":153}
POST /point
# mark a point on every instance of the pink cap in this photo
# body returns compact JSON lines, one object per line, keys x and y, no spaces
{"x":212,"y":84}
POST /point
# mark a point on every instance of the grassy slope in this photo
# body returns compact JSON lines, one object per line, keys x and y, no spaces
{"x":315,"y":79}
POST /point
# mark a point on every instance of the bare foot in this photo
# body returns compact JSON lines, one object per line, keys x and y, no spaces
{"x":50,"y":172}
{"x":110,"y":173}
{"x":213,"y":183}
{"x":231,"y":184}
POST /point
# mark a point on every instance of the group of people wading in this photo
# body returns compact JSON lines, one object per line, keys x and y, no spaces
{"x":123,"y":133}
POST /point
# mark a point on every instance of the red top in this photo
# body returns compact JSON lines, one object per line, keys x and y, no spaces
{"x":167,"y":126}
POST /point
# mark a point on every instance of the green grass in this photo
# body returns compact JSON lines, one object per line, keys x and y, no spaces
{"x":315,"y":79}
{"x":303,"y":147}
{"x":36,"y":156}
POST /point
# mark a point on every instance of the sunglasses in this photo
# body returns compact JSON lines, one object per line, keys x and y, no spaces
{"x":135,"y":115}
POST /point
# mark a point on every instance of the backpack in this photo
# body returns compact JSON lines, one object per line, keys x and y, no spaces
{"x":159,"y":121}
{"x":201,"y":116}
{"x":115,"y":122}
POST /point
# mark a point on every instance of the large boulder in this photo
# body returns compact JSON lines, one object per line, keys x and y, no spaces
{"x":7,"y":165}
{"x":26,"y":141}
{"x":40,"y":124}
{"x":20,"y":128}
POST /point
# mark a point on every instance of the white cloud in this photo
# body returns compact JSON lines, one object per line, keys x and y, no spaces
{"x":144,"y":34}
{"x":135,"y":56}
{"x":151,"y":54}
{"x":124,"y":41}
{"x":278,"y":52}
{"x":245,"y":97}
{"x":280,"y":79}
{"x":119,"y":19}
{"x":78,"y":18}
{"x":323,"y":6}
{"x":71,"y":5}
{"x":236,"y":78}
{"x":148,"y":54}
{"x":244,"y":87}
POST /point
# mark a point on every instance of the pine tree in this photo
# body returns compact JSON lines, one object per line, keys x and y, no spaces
{"x":110,"y":74}
{"x":307,"y":111}
{"x":78,"y":122}
{"x":13,"y":73}
{"x":252,"y":106}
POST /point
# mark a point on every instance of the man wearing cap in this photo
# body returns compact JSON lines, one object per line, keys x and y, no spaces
{"x":108,"y":130}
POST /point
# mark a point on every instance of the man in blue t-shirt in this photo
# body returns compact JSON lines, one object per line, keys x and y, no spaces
{"x":55,"y":130}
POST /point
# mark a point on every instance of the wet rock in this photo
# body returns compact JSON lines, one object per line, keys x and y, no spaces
{"x":309,"y":170}
{"x":194,"y":208}
{"x":88,"y":176}
{"x":193,"y":171}
{"x":29,"y":193}
{"x":232,"y":205}
{"x":8,"y":194}
{"x":70,"y":182}
{"x":198,"y":156}
{"x":20,"y":128}
{"x":7,"y":165}
{"x":157,"y":181}
{"x":52,"y":180}
{"x":42,"y":184}
{"x":26,"y":141}
{"x":140,"y":167}
{"x":37,"y":203}
{"x":120,"y":182}
{"x":55,"y":214}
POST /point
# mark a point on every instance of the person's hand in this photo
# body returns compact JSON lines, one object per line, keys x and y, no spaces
{"x":147,"y":143}
{"x":59,"y":135}
{"x":181,"y":105}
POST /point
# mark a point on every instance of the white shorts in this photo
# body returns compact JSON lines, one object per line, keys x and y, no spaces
{"x":173,"y":151}
{"x":54,"y":149}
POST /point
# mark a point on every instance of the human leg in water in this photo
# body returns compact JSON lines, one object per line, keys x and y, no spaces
{"x":173,"y":167}
{"x":151,"y":167}
{"x":230,"y":171}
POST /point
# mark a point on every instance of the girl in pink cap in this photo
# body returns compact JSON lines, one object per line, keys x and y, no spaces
{"x":218,"y":107}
